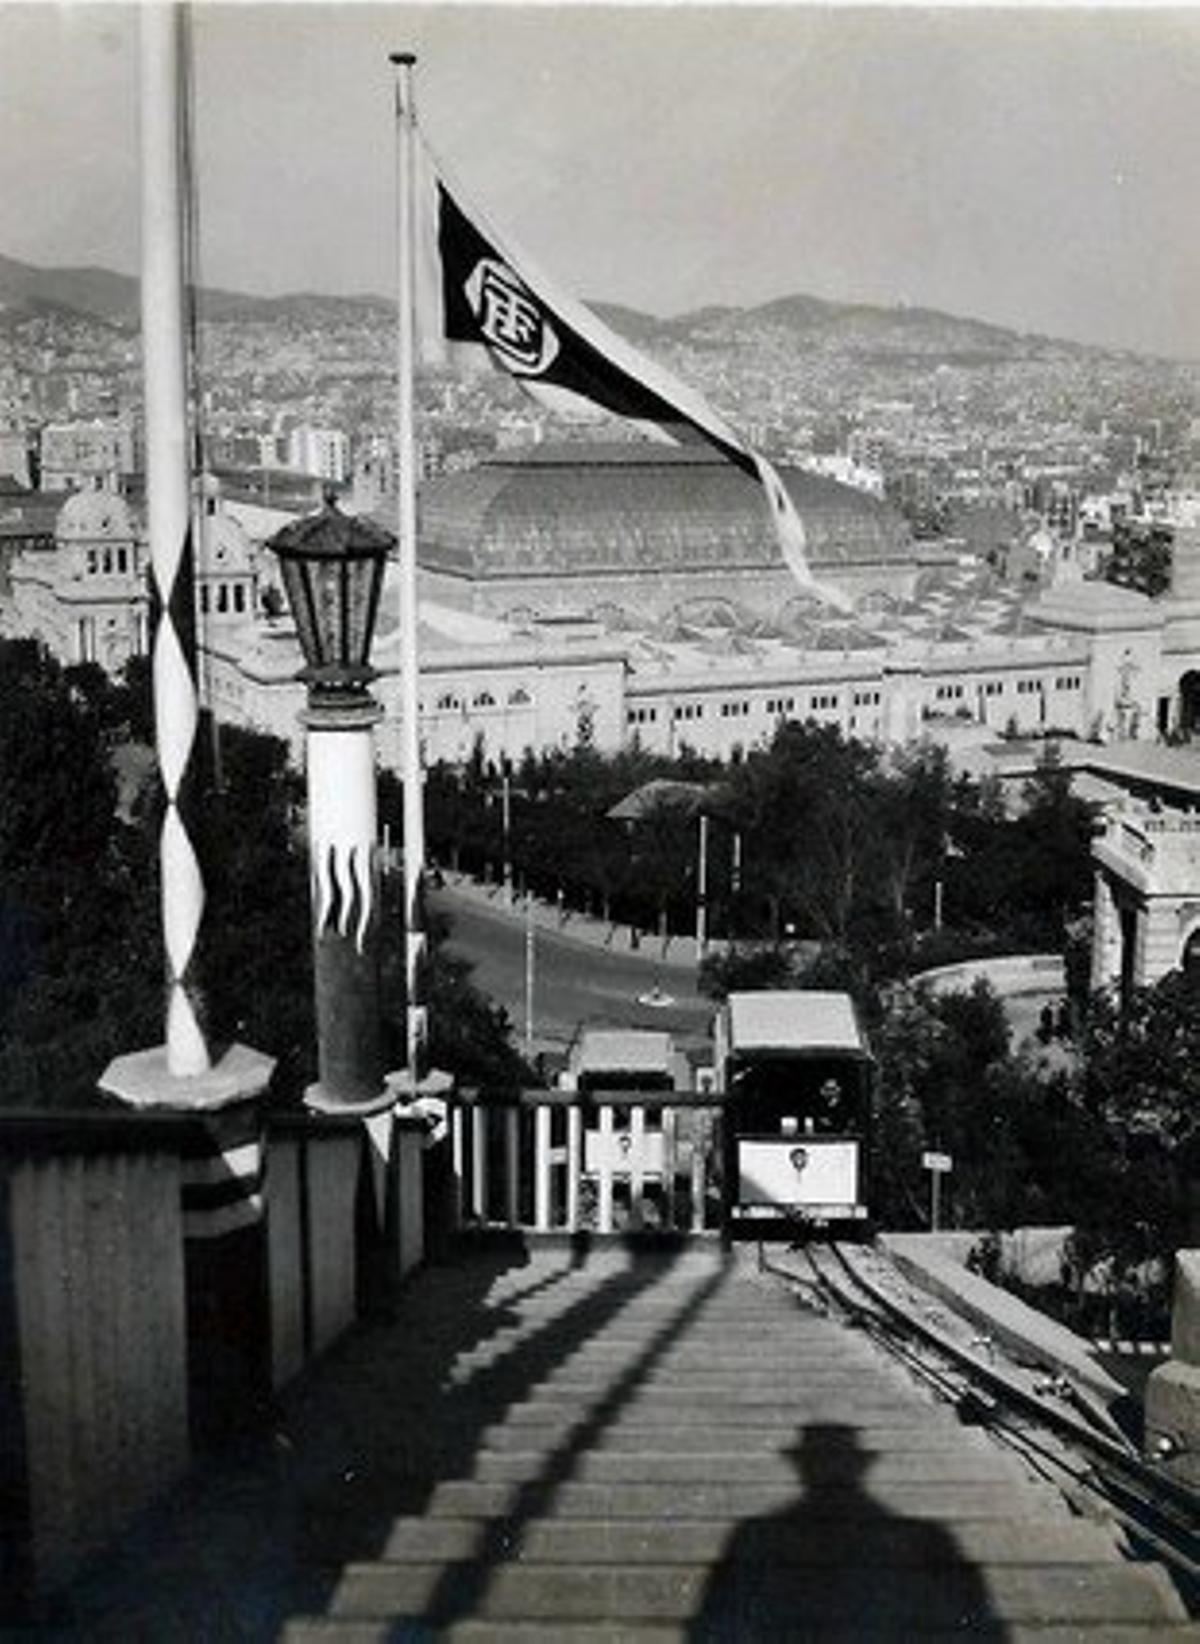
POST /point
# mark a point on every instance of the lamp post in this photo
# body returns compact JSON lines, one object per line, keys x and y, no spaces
{"x":332,"y":565}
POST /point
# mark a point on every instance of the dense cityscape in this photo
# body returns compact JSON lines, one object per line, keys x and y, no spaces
{"x":932,"y":411}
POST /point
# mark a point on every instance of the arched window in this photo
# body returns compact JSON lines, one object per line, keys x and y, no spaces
{"x":520,"y":698}
{"x":222,"y":597}
{"x":204,"y":599}
{"x":239,"y":597}
{"x":485,"y":699}
{"x":448,"y":701}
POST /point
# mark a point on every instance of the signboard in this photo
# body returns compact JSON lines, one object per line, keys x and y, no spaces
{"x":938,"y":1162}
{"x":797,"y":1171}
{"x":618,"y":1152}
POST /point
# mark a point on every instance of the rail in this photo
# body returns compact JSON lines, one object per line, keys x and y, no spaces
{"x":551,"y":1161}
{"x":1091,"y":1459}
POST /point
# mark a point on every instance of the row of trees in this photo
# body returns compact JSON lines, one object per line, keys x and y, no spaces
{"x":814,"y":837}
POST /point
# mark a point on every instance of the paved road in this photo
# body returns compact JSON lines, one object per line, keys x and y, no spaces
{"x":575,"y":984}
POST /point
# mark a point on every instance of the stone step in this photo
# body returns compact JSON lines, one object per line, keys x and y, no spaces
{"x":753,"y":1602}
{"x":623,"y":1325}
{"x":609,"y":1354}
{"x":748,"y":1434}
{"x":586,"y":1386}
{"x":642,"y":1421}
{"x":822,"y":1405}
{"x":548,"y":1541}
{"x":345,"y":1630}
{"x":913,"y":1498}
{"x":703,"y":1466}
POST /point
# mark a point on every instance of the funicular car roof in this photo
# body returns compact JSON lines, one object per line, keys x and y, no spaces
{"x":795,"y":1022}
{"x":626,"y":1050}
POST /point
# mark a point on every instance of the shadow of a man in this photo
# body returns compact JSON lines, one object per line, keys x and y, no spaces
{"x":836,"y":1564}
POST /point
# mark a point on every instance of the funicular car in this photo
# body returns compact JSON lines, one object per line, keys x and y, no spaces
{"x":795,"y":1073}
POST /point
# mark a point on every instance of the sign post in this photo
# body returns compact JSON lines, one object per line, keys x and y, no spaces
{"x":938,"y":1165}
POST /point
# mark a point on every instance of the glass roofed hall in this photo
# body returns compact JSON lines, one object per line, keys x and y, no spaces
{"x":581,"y":508}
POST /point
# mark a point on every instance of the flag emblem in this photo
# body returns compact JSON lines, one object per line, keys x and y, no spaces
{"x":509,"y":317}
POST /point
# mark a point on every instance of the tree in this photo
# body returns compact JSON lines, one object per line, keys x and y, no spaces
{"x":75,"y":978}
{"x":939,"y":1057}
{"x":1141,"y":1080}
{"x":59,"y":789}
{"x":804,"y":810}
{"x":1141,"y":557}
{"x":745,"y":969}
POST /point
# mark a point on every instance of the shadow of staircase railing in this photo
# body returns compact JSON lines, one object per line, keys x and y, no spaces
{"x":464,"y":1583}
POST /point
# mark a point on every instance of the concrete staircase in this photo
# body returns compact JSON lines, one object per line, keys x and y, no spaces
{"x":624,"y":1448}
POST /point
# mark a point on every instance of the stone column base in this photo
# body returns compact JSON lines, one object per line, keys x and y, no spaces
{"x":143,"y":1080}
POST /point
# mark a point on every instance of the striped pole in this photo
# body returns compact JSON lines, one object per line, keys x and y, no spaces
{"x":406,"y":535}
{"x":176,"y":704}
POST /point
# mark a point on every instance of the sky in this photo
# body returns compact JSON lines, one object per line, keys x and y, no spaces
{"x":1034,"y":168}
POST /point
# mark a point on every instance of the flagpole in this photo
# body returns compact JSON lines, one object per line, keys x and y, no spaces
{"x":406,"y":535}
{"x":186,"y":1072}
{"x":168,"y":502}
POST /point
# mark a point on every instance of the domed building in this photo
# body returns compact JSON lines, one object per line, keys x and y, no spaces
{"x":632,"y":532}
{"x":85,"y":597}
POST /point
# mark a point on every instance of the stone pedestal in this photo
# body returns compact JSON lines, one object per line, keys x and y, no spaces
{"x":1173,"y":1390}
{"x":221,"y":1168}
{"x":143,"y":1079}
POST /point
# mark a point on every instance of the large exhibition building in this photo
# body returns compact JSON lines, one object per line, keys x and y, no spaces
{"x":635,"y":591}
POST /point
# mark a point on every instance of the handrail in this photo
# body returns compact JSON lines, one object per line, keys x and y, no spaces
{"x":588,"y":1099}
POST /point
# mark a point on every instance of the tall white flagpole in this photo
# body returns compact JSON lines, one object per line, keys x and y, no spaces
{"x":182,"y":1073}
{"x":406,"y":534}
{"x":168,"y":470}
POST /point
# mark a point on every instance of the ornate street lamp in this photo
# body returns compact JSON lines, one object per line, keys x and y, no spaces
{"x":332,"y":565}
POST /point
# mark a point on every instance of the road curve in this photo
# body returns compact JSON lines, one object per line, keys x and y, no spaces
{"x":576,"y":982}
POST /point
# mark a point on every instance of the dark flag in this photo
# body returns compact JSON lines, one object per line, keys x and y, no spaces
{"x":475,"y":294}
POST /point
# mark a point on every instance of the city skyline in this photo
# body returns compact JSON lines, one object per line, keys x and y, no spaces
{"x":1021,"y":167}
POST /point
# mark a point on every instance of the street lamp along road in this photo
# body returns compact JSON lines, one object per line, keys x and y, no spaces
{"x":332,"y":565}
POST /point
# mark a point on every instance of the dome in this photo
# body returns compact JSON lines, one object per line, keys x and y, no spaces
{"x":597,"y":510}
{"x":95,"y":516}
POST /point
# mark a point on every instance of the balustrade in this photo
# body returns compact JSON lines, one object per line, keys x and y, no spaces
{"x":565,"y":1161}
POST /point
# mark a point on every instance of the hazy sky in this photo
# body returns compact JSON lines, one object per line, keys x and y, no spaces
{"x":1034,"y":168}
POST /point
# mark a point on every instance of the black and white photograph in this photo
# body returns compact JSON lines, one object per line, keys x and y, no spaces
{"x":599,"y":822}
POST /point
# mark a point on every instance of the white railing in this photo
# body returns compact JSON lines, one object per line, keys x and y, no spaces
{"x":606,"y":1161}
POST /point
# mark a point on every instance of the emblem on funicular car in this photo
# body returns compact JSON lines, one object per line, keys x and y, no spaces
{"x":798,"y":1159}
{"x":511,"y":319}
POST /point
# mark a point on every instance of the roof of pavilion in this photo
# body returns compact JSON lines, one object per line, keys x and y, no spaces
{"x":637,"y":508}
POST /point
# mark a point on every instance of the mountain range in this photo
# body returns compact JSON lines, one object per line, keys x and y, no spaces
{"x":111,"y":299}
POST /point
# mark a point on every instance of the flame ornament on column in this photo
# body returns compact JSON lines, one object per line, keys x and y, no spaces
{"x":344,"y":881}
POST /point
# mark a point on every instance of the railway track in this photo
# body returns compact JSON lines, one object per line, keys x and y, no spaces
{"x":1061,"y":1434}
